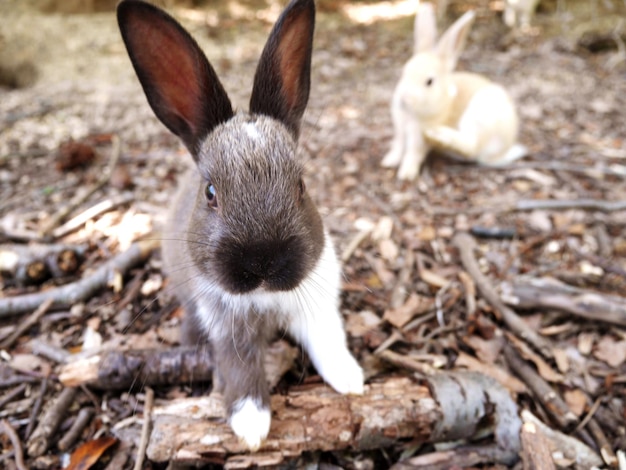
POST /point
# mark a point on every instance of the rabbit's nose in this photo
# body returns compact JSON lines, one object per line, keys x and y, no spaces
{"x":276,"y":264}
{"x":266,"y":260}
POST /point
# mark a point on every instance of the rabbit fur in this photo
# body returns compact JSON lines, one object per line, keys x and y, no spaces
{"x":519,"y":13}
{"x":461,"y":113}
{"x":244,"y":246}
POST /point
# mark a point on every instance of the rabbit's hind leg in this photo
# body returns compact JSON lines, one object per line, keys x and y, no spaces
{"x":449,"y":140}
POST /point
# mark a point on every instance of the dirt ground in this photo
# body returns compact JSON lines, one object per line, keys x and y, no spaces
{"x":66,"y":77}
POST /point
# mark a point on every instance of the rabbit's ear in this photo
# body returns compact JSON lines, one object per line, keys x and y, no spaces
{"x":282,"y":78}
{"x":451,"y":44}
{"x":425,"y":28}
{"x":180,"y":84}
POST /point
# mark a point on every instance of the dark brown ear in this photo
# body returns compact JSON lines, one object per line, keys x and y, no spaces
{"x":180,"y":84}
{"x":283,"y":76}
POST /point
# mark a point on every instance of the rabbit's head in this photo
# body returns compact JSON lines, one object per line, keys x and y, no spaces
{"x":253,"y":224}
{"x":427,"y":86}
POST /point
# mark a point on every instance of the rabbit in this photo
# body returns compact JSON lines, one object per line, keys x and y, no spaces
{"x":518,"y":13}
{"x":245,"y":247}
{"x":461,"y":113}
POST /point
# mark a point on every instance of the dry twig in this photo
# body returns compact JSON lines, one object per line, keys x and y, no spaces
{"x":43,"y":435}
{"x":31,"y":320}
{"x":74,"y":432}
{"x":521,"y":205}
{"x":34,"y":412}
{"x":94,"y":211}
{"x":145,"y":429}
{"x":18,"y":452}
{"x":542,"y":391}
{"x":466,"y":245}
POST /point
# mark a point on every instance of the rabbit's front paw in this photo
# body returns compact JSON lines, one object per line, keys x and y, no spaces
{"x":409,"y":169}
{"x":440,"y":137}
{"x":250,"y":422}
{"x":392,"y":159}
{"x":343,"y":373}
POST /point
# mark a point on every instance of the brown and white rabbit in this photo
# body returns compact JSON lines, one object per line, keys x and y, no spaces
{"x":462,"y":113}
{"x":245,"y":247}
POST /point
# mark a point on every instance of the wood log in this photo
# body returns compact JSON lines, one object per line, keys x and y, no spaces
{"x":450,"y":406}
{"x":121,"y":369}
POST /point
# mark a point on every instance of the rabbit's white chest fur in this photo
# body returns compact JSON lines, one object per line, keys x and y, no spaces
{"x":310,"y":313}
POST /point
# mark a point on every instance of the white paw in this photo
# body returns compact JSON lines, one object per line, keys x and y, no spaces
{"x":343,"y":373}
{"x":392,"y":159}
{"x":250,"y":421}
{"x":408,"y":170}
{"x":440,"y":136}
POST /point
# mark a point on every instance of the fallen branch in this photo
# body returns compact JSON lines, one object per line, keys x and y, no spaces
{"x":453,"y":406}
{"x":78,"y":426}
{"x":548,"y":293}
{"x":123,"y":369}
{"x":521,"y":205}
{"x":45,"y":431}
{"x":69,"y":294}
{"x":35,"y":263}
{"x":465,"y":244}
{"x":542,"y":391}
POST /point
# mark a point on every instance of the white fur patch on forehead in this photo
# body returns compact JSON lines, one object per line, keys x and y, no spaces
{"x":252,"y":130}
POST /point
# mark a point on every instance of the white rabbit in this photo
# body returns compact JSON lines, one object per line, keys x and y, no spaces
{"x":518,"y":13}
{"x":245,"y":247}
{"x":461,"y":113}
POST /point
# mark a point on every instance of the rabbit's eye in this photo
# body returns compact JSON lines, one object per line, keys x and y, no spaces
{"x":301,"y":187}
{"x":429,"y":81}
{"x":211,"y":195}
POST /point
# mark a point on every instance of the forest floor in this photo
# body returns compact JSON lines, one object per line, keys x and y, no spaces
{"x":558,"y":215}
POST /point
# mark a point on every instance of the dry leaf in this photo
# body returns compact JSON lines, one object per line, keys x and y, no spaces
{"x":486,"y":350}
{"x":88,"y":454}
{"x":358,"y":324}
{"x":561,"y":359}
{"x":433,"y":279}
{"x":611,"y":351}
{"x":585,"y":343}
{"x":427,"y":234}
{"x":29,"y":363}
{"x":388,"y":249}
{"x":543,"y":368}
{"x":576,"y":401}
{"x":414,"y":305}
{"x":507,"y":380}
{"x":383,"y":229}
